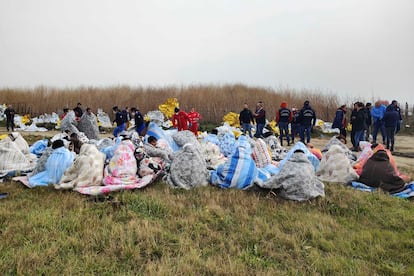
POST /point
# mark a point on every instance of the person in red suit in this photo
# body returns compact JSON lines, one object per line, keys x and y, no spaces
{"x":194,"y":117}
{"x":180,"y":119}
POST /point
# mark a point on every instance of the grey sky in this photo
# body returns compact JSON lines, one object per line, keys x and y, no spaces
{"x":349,"y":47}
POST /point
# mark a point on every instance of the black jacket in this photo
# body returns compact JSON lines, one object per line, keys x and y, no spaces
{"x":246,"y":116}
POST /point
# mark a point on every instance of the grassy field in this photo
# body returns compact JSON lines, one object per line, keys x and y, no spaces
{"x":205,"y":231}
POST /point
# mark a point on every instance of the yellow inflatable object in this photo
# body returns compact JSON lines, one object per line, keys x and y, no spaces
{"x":168,"y":107}
{"x":3,"y":136}
{"x":232,"y":119}
{"x":349,"y":127}
{"x":146,"y":118}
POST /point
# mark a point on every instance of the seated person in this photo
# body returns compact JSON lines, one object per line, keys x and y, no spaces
{"x":378,"y":172}
{"x":153,"y":151}
{"x":57,"y":163}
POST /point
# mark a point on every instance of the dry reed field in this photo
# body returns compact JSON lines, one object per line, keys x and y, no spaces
{"x":205,"y":231}
{"x":213,"y":102}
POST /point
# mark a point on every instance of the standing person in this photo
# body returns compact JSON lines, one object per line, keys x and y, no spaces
{"x":391,"y":119}
{"x":351,"y":120}
{"x":195,"y":118}
{"x":119,"y":120}
{"x":377,"y":113}
{"x":307,"y":118}
{"x":340,"y":120}
{"x":260,"y":116}
{"x":180,"y":119}
{"x":78,"y":110}
{"x":295,"y":125}
{"x":283,"y":118}
{"x":246,"y":118}
{"x":358,"y":125}
{"x":138,"y":119}
{"x":10,"y":112}
{"x":397,"y":108}
{"x":126,"y":116}
{"x":368,"y":121}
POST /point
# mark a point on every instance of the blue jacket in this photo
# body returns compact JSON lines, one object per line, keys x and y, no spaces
{"x":378,"y":112}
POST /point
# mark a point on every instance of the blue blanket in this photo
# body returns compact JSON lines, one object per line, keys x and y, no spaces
{"x":56,"y":165}
{"x":408,"y":191}
{"x":239,"y":171}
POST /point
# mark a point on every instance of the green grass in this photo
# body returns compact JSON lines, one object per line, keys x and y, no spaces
{"x":210,"y":231}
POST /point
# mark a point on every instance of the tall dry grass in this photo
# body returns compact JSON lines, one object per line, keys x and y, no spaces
{"x":212,"y":101}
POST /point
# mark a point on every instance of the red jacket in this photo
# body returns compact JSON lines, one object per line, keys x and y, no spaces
{"x":194,"y":117}
{"x":180,"y":120}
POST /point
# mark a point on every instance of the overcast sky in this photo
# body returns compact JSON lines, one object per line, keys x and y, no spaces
{"x":348,"y":47}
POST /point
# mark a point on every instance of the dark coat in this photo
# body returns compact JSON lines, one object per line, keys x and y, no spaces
{"x":379,"y":173}
{"x":246,"y":116}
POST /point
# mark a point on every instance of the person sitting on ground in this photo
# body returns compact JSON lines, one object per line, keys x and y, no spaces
{"x":75,"y":144}
{"x":57,"y":163}
{"x":153,"y":151}
{"x":65,"y":111}
{"x":78,"y":111}
{"x":314,"y":151}
{"x":379,"y":173}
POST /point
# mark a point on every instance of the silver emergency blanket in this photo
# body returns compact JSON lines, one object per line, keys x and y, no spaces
{"x":185,"y":137}
{"x":41,"y":162}
{"x":296,"y":180}
{"x":156,"y":116}
{"x":335,"y":141}
{"x":278,"y":152}
{"x":88,"y":125}
{"x":188,"y":169}
{"x":69,"y":123}
{"x":336,"y":167}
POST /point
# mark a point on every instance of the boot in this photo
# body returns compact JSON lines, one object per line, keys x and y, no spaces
{"x":392,"y":148}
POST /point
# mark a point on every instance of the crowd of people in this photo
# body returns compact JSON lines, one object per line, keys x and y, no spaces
{"x":367,"y":121}
{"x":301,"y":121}
{"x":138,"y":154}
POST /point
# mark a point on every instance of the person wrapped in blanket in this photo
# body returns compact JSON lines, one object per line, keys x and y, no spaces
{"x":57,"y":163}
{"x":296,"y":179}
{"x":86,"y":170}
{"x":378,"y":172}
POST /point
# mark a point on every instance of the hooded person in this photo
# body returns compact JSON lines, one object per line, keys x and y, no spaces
{"x":188,"y":168}
{"x":57,"y":163}
{"x":88,"y":124}
{"x":122,"y":168}
{"x":15,"y":155}
{"x":296,"y":180}
{"x":86,"y":170}
{"x":336,"y":167}
{"x":239,"y":171}
{"x":379,"y":173}
{"x":340,"y":141}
